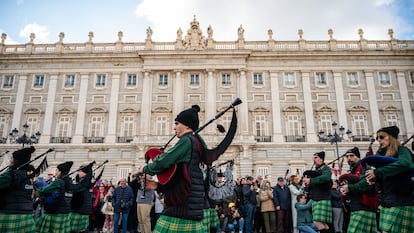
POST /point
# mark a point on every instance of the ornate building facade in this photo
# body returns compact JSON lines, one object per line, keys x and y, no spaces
{"x":113,"y":101}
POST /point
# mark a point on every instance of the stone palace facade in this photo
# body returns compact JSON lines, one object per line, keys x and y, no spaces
{"x":113,"y":101}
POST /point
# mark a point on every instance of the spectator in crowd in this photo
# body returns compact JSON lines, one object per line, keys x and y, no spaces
{"x":108,"y":210}
{"x":304,"y":218}
{"x":282,"y":202}
{"x":337,"y":207}
{"x":249,"y":202}
{"x":145,"y":201}
{"x":122,"y":201}
{"x":236,"y":220}
{"x":296,"y":188}
{"x":267,"y":206}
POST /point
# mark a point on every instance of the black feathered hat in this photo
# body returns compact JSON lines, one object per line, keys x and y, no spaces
{"x":189,"y":117}
{"x":392,"y":130}
{"x":64,"y":168}
{"x":320,"y":155}
{"x":23,"y":156}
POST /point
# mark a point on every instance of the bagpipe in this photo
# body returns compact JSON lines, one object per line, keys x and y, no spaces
{"x":404,"y":182}
{"x":210,"y":154}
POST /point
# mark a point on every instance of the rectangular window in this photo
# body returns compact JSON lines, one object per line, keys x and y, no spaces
{"x":325,"y":124}
{"x":411,"y":78}
{"x":128,"y":126}
{"x":391,"y":119}
{"x":320,"y":78}
{"x":384,"y":78}
{"x":289,"y":79}
{"x":39,"y":81}
{"x":293,"y":125}
{"x":64,"y":126}
{"x":70,"y":80}
{"x":161,"y":125}
{"x":260,"y":125}
{"x":225,"y":79}
{"x":194,"y":79}
{"x":100,"y":80}
{"x":360,"y":125}
{"x":262,"y":171}
{"x":257,"y":79}
{"x":132,"y":80}
{"x":96,"y":126}
{"x":33,"y":123}
{"x":352,"y":78}
{"x":123,"y":172}
{"x":3,"y":132}
{"x":163,"y":80}
{"x":8,"y":81}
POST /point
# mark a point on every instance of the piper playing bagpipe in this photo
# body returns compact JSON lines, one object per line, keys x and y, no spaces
{"x":363,"y":197}
{"x":16,"y":187}
{"x":184,"y":189}
{"x":396,"y":199}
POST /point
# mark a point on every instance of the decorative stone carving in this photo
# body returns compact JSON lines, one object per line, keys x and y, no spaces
{"x":300,"y":34}
{"x":270,"y":34}
{"x":330,"y":33}
{"x":32,"y":37}
{"x":120,"y":35}
{"x":240,"y":33}
{"x":179,"y":34}
{"x":391,"y":33}
{"x":90,"y":35}
{"x":149,"y":33}
{"x":210,"y":32}
{"x":361,"y":34}
{"x":61,"y":37}
{"x":3,"y":37}
{"x":194,"y":38}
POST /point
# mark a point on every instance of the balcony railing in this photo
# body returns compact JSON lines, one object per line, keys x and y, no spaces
{"x":60,"y":139}
{"x":294,"y":138}
{"x":94,"y":140}
{"x":361,"y":138}
{"x":263,"y":138}
{"x":125,"y":139}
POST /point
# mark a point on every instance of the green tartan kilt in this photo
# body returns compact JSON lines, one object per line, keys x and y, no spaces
{"x":19,"y":223}
{"x":56,"y":223}
{"x":398,"y":219}
{"x":210,"y":220}
{"x":170,"y":224}
{"x":363,"y":221}
{"x":78,"y":222}
{"x":322,"y":211}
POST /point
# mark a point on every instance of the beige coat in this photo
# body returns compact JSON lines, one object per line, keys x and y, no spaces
{"x":266,"y":197}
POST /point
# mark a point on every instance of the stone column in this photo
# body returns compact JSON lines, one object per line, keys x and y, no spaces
{"x":210,"y":103}
{"x":50,"y":109}
{"x":81,"y":112}
{"x":372,"y":99}
{"x":113,"y":110}
{"x":243,"y":108}
{"x":340,"y":100}
{"x":246,"y":162}
{"x":309,"y":117}
{"x":276,"y":112}
{"x":146,"y":105}
{"x":17,"y":113}
{"x":178,"y":94}
{"x":408,"y":116}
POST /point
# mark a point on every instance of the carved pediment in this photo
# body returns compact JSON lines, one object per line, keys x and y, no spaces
{"x":194,"y":40}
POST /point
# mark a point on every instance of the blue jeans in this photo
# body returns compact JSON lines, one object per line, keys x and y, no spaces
{"x":124,"y":222}
{"x":250,"y":211}
{"x":309,"y":228}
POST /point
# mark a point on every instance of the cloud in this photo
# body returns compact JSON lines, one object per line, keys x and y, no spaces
{"x":283,"y":17}
{"x":41,"y":32}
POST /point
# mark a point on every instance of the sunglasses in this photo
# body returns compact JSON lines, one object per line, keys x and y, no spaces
{"x":381,"y":137}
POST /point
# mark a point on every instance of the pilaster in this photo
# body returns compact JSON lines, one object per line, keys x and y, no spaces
{"x":80,"y":116}
{"x":244,"y":108}
{"x":405,"y":102}
{"x":113,"y":109}
{"x":178,"y":93}
{"x":372,"y":98}
{"x":276,"y":112}
{"x":309,"y":117}
{"x":50,"y":107}
{"x":18,"y":107}
{"x":210,"y":103}
{"x":146,"y":105}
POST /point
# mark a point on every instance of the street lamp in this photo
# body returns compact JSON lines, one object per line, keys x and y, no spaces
{"x":24,"y":139}
{"x":337,"y":136}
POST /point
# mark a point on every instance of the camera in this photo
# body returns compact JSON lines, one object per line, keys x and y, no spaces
{"x":123,"y":204}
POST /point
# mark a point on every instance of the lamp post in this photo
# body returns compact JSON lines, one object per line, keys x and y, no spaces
{"x":338,"y":136}
{"x":24,"y":139}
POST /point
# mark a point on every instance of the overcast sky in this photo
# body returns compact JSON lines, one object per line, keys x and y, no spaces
{"x":76,"y":18}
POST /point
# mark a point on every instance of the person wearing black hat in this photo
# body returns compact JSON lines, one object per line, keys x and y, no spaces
{"x":362,"y":196}
{"x":57,"y":198}
{"x":397,"y":193}
{"x":184,"y":191}
{"x":320,"y":192}
{"x":81,"y":203}
{"x":16,"y":187}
